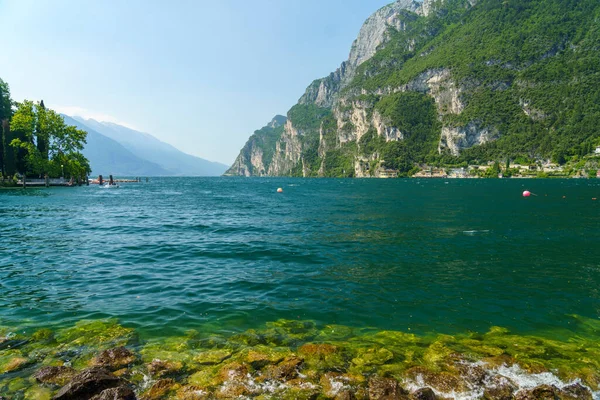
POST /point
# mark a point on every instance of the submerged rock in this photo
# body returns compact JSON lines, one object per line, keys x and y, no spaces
{"x":212,"y":357}
{"x":287,"y":369}
{"x":95,"y":334}
{"x":159,"y":368}
{"x":88,"y":383}
{"x":372,"y":357}
{"x":13,"y":360}
{"x":260,"y":358}
{"x":114,"y":358}
{"x":160,"y":389}
{"x":54,"y":375}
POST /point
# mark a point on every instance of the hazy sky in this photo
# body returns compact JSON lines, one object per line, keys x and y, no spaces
{"x":201,"y":75}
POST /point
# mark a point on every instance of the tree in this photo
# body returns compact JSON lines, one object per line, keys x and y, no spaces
{"x":45,"y":143}
{"x":5,"y":115}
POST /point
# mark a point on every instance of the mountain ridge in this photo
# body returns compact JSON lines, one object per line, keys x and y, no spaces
{"x":447,"y":83}
{"x":170,"y":160}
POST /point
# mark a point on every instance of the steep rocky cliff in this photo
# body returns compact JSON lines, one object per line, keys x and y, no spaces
{"x":445,"y":82}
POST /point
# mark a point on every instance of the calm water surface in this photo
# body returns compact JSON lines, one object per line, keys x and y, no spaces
{"x":230,"y":254}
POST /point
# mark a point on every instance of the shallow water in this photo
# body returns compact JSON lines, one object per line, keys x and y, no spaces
{"x":230,"y":254}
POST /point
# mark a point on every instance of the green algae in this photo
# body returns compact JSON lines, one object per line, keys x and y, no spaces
{"x":304,"y":358}
{"x":98,"y":334}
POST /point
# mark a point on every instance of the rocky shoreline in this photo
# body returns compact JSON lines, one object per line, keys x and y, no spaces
{"x":102,"y":360}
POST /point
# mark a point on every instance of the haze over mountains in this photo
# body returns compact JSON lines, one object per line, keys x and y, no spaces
{"x":118,"y":150}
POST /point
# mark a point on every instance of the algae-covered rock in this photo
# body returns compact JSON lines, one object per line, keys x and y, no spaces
{"x":43,"y":335}
{"x":372,"y":357}
{"x":159,"y":368}
{"x":87,"y":384}
{"x":248,"y":338}
{"x":190,"y":392}
{"x":232,"y":390}
{"x":261,"y":356}
{"x":97,"y":333}
{"x":234,"y":371}
{"x":160,"y":388}
{"x":12,"y":360}
{"x":285,"y":370}
{"x":385,"y":388}
{"x":423,"y":394}
{"x":293,"y":326}
{"x":288,"y":332}
{"x":334,"y":333}
{"x":337,"y":385}
{"x":205,"y":378}
{"x":542,"y":392}
{"x":119,"y":393}
{"x":499,"y":388}
{"x":212,"y":357}
{"x":114,"y":358}
{"x":57,"y":375}
{"x":442,"y":381}
{"x":38,"y":393}
{"x":322,"y":357}
{"x":575,"y":391}
{"x":438,"y":353}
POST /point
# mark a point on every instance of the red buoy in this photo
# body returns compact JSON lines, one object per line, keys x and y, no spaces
{"x":526,"y":193}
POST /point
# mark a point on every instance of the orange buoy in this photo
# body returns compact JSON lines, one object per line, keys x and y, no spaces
{"x":279,"y":190}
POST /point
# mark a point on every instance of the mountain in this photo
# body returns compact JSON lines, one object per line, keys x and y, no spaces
{"x":446,"y":82}
{"x":147,"y":147}
{"x":259,"y":150}
{"x":107,"y":156}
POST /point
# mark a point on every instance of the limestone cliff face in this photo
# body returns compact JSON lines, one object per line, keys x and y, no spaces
{"x":252,"y":161}
{"x":288,"y":151}
{"x":374,"y":33}
{"x":456,"y":139}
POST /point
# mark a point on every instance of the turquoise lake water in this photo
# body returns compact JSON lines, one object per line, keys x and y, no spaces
{"x":228,"y":254}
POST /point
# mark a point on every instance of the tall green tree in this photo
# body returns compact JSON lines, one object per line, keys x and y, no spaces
{"x":45,"y":143}
{"x":5,"y":115}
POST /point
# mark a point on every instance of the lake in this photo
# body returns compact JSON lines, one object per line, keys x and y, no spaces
{"x":228,"y":255}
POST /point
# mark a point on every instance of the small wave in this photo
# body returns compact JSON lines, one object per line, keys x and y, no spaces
{"x":504,"y":374}
{"x":476,"y":232}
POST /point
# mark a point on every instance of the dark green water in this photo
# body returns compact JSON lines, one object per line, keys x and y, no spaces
{"x":231,"y":254}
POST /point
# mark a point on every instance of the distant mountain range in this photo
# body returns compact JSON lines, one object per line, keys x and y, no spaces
{"x":118,"y":150}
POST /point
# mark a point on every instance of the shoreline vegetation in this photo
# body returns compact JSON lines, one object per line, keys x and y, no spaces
{"x":293,"y":359}
{"x":35,"y":143}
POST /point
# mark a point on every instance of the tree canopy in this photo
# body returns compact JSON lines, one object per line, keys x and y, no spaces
{"x":35,"y":141}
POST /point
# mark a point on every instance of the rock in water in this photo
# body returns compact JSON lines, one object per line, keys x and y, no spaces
{"x":423,"y":394}
{"x":114,"y":358}
{"x":56,"y":375}
{"x":87,"y":384}
{"x":385,"y":388}
{"x":119,"y":393}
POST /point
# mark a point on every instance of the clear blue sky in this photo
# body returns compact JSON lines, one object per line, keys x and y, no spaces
{"x":200,"y":75}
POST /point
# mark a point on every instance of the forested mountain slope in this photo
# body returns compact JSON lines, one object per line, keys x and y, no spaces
{"x":447,"y":82}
